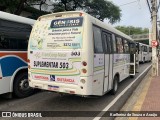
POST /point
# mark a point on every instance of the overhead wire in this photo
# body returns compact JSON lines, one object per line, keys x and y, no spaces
{"x":128,"y":3}
{"x":149,"y":6}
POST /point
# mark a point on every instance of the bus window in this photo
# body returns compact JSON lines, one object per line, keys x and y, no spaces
{"x":97,"y":40}
{"x":119,"y":45}
{"x":145,"y":48}
{"x":110,"y":42}
{"x":150,"y":49}
{"x":14,"y":35}
{"x":105,"y":44}
{"x":126,"y":46}
{"x":132,"y":48}
{"x":114,"y":45}
{"x":142,"y":48}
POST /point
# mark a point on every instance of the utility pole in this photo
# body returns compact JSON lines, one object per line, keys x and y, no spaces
{"x":154,"y":37}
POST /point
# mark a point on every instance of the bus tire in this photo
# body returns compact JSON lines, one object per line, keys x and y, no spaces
{"x":131,"y":76}
{"x":115,"y":85}
{"x":143,"y":60}
{"x":21,"y":86}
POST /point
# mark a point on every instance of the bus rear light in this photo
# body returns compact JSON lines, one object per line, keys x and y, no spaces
{"x":84,"y":70}
{"x":83,"y":81}
{"x":0,"y":77}
{"x":84,"y":63}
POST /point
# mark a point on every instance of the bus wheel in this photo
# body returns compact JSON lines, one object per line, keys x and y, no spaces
{"x":143,"y":60}
{"x":131,"y":76}
{"x":21,"y":86}
{"x":115,"y":86}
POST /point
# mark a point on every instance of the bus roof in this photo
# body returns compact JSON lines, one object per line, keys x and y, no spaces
{"x":99,"y":23}
{"x":16,"y":18}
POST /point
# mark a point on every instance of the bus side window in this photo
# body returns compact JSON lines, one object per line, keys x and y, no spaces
{"x":105,"y":43}
{"x":142,"y":47}
{"x":98,"y":48}
{"x":23,"y":44}
{"x":126,"y":46}
{"x":14,"y":35}
{"x":110,"y":42}
{"x":150,"y":49}
{"x":146,"y":49}
{"x":114,"y":45}
{"x":4,"y":43}
{"x":132,"y":48}
{"x":120,"y":48}
{"x":140,"y":50}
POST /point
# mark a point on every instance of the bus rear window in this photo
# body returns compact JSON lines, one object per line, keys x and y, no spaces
{"x":57,"y":34}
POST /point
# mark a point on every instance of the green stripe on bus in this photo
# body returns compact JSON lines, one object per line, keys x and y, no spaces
{"x":55,"y":74}
{"x":98,"y":68}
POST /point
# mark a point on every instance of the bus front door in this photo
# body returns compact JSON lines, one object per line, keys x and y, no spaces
{"x":108,"y":62}
{"x":132,"y":59}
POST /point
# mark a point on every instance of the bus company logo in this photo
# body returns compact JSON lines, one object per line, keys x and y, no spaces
{"x":68,"y":22}
{"x":52,"y":77}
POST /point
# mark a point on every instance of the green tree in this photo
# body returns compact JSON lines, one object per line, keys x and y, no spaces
{"x":17,"y":6}
{"x":68,"y":5}
{"x":103,"y":9}
{"x":130,"y":30}
{"x":100,"y":9}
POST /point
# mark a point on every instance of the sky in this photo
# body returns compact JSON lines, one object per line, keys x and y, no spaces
{"x":136,"y":14}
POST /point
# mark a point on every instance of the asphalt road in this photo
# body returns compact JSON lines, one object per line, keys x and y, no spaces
{"x":49,"y":101}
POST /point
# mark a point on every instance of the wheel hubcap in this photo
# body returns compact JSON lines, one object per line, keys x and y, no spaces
{"x":24,"y":85}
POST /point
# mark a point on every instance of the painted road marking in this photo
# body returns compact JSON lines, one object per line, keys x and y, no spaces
{"x":115,"y":99}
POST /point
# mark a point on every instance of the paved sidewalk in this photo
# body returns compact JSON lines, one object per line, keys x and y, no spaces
{"x":145,"y":98}
{"x":152,"y":98}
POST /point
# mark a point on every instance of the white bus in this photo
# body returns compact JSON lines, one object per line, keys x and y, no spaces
{"x":75,"y":53}
{"x":14,"y":35}
{"x":144,"y":52}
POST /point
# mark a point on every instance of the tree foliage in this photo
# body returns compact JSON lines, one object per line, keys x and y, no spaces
{"x":68,"y":5}
{"x":100,"y":9}
{"x":130,"y":30}
{"x":17,"y":6}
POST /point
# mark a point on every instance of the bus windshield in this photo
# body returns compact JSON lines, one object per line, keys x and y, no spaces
{"x":55,"y":34}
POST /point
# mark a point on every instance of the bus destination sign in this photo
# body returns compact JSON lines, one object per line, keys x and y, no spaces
{"x":67,"y":22}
